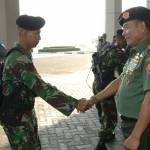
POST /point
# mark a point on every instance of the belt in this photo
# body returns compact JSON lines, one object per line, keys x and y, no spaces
{"x":127,"y":118}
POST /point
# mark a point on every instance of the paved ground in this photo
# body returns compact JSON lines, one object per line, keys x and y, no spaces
{"x":57,"y":132}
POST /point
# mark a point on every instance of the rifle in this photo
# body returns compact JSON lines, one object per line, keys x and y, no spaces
{"x":99,"y":76}
{"x":96,"y":63}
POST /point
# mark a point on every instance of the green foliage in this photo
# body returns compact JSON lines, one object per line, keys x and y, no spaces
{"x":59,"y":49}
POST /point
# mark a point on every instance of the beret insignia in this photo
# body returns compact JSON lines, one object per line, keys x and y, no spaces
{"x":148,"y":68}
{"x":147,"y":59}
{"x":148,"y":48}
{"x":125,"y":15}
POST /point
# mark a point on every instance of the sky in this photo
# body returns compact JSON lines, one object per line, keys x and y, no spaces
{"x":71,"y":22}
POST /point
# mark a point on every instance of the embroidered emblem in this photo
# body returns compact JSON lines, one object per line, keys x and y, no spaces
{"x":148,"y":69}
{"x":148,"y":48}
{"x":133,"y":64}
{"x":147,"y":59}
{"x":125,"y":15}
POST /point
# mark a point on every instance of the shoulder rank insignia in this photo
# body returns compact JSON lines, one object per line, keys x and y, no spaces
{"x":147,"y":59}
{"x":148,"y":68}
{"x":125,"y":15}
{"x":147,"y":48}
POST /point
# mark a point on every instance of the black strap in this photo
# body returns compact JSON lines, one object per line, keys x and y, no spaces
{"x":12,"y":49}
{"x":124,"y":118}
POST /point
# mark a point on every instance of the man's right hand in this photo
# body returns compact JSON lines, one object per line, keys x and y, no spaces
{"x":84,"y":105}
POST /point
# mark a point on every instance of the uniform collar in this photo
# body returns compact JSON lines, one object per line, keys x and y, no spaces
{"x":142,"y":46}
{"x":26,"y":52}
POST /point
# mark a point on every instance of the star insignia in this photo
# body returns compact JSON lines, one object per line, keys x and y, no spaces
{"x":148,"y":47}
{"x":125,"y":15}
{"x":148,"y":68}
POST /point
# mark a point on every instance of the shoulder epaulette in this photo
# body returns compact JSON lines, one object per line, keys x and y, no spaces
{"x":147,"y":48}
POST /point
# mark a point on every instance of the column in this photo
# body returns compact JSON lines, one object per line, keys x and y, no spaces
{"x":113,"y":10}
{"x":9,"y":11}
{"x":3,"y":35}
{"x":148,"y":4}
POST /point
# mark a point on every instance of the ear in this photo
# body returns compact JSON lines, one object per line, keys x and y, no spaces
{"x":143,"y":26}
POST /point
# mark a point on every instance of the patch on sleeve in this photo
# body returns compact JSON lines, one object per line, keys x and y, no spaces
{"x":125,"y":15}
{"x":148,"y":68}
{"x":148,"y":48}
{"x":147,"y":59}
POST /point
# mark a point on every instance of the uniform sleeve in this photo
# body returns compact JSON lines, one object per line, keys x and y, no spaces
{"x":112,"y":58}
{"x":146,"y":74}
{"x":32,"y":80}
{"x":117,"y":60}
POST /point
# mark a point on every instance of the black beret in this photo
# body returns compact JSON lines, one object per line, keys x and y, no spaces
{"x":119,"y":32}
{"x":135,"y":13}
{"x":30,"y":22}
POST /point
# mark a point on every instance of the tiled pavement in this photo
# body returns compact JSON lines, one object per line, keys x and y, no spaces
{"x":57,"y":132}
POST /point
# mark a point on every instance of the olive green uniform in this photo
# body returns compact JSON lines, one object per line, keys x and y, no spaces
{"x":135,"y":83}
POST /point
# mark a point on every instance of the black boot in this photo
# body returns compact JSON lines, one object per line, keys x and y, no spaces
{"x":101,"y":146}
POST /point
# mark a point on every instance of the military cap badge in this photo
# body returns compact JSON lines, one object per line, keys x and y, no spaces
{"x":148,"y":68}
{"x":125,"y":15}
{"x":148,"y":48}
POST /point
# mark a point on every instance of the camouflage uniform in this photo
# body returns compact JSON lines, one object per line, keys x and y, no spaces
{"x":111,"y":60}
{"x":21,"y":84}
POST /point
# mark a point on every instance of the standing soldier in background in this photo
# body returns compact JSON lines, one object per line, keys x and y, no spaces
{"x":102,"y":45}
{"x":102,"y":42}
{"x":107,"y":65}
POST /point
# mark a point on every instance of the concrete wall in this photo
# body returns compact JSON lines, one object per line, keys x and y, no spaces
{"x":113,"y":10}
{"x":9,"y":13}
{"x":3,"y":28}
{"x":148,"y":4}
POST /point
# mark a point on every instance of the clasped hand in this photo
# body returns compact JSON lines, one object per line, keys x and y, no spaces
{"x":84,"y":105}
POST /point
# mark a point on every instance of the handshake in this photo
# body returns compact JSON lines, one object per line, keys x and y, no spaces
{"x":85,"y":104}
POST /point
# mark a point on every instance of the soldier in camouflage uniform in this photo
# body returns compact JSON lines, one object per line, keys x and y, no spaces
{"x":22,"y":83}
{"x":102,"y":42}
{"x":111,"y":62}
{"x":101,"y":45}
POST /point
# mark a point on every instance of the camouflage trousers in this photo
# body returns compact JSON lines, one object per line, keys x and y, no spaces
{"x":127,"y":127}
{"x":107,"y":113}
{"x":25,"y":136}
